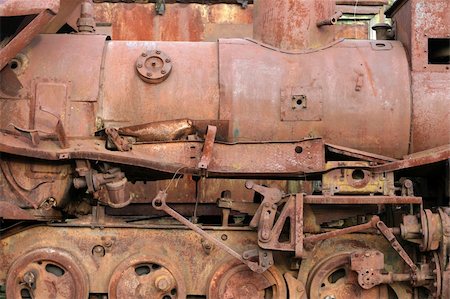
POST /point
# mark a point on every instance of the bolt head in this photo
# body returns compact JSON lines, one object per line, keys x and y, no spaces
{"x":29,"y":277}
{"x":163,"y":72}
{"x":139,"y":65}
{"x":162,"y":283}
{"x":144,"y":54}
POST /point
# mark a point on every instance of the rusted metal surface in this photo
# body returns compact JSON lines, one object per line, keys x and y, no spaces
{"x":322,"y":284}
{"x":430,"y":113}
{"x":348,"y":2}
{"x":234,"y":280}
{"x":270,"y":233}
{"x":47,"y":272}
{"x":361,"y":200}
{"x":275,"y":23}
{"x":159,"y":203}
{"x":69,"y":96}
{"x":161,"y":138}
{"x":332,"y":20}
{"x":204,"y":22}
{"x":419,"y":21}
{"x":274,"y":77}
{"x":24,"y":37}
{"x":154,"y":66}
{"x":418,"y":159}
{"x":160,"y":131}
{"x":11,"y":211}
{"x":27,"y":7}
{"x":173,"y":98}
{"x":143,"y":276}
{"x":358,"y":154}
{"x":356,"y":181}
{"x":174,"y":252}
{"x":180,"y":22}
{"x":33,"y":185}
{"x":207,"y":151}
{"x":172,"y":156}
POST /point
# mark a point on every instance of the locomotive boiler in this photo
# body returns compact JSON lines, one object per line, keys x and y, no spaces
{"x":287,"y":165}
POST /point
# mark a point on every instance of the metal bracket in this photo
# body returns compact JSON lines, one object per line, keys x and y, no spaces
{"x":387,"y":233}
{"x":207,"y":148}
{"x":271,"y":196}
{"x":121,"y":143}
{"x":269,"y":233}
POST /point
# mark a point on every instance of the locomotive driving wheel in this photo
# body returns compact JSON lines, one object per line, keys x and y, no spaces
{"x":146,"y":277}
{"x":236,"y":280}
{"x":332,"y":278}
{"x":47,"y":273}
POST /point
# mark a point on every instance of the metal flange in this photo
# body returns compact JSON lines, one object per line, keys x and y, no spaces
{"x":154,"y":66}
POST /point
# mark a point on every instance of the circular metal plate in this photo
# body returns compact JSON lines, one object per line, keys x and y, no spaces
{"x":154,"y":66}
{"x":236,"y":280}
{"x":47,"y":273}
{"x":146,"y":277}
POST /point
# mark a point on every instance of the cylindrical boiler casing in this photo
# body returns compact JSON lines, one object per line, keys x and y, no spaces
{"x":351,"y":93}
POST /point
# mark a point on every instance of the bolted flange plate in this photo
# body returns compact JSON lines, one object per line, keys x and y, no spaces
{"x":154,"y":66}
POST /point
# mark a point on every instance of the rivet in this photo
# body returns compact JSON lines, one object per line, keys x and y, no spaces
{"x":139,"y":65}
{"x":163,"y":72}
{"x":167,"y":60}
{"x":149,"y":74}
{"x":158,"y":52}
{"x":144,"y":54}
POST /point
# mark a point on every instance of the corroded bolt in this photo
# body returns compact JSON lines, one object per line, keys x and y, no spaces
{"x":144,"y":54}
{"x":158,"y":52}
{"x":163,"y":72}
{"x":29,"y":278}
{"x":98,"y":250}
{"x":149,"y":74}
{"x":139,"y":65}
{"x":167,"y":60}
{"x":162,"y":283}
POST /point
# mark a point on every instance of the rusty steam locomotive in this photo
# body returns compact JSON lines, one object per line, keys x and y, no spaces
{"x":287,"y":165}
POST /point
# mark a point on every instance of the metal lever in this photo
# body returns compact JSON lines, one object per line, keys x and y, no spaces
{"x":387,"y":233}
{"x":159,"y":203}
{"x":352,"y":229}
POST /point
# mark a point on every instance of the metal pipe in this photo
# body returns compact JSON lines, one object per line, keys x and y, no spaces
{"x":330,"y":21}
